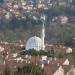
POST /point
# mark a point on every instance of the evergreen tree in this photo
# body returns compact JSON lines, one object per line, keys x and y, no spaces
{"x":30,"y":69}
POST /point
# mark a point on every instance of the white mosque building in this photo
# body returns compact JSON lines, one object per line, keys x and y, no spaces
{"x":35,"y":42}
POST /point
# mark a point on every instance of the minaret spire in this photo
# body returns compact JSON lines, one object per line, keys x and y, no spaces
{"x":43,"y":37}
{"x":43,"y":33}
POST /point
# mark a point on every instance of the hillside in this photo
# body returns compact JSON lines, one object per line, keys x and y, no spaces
{"x":54,"y":32}
{"x":17,"y":23}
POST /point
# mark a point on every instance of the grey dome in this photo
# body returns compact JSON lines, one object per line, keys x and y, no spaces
{"x":34,"y":43}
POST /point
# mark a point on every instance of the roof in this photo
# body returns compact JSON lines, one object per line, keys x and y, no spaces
{"x":33,"y":43}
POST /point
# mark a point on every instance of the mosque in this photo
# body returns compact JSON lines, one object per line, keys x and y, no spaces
{"x":35,"y":42}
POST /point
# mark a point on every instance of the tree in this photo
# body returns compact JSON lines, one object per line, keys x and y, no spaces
{"x":7,"y":70}
{"x":29,"y":69}
{"x":60,"y":55}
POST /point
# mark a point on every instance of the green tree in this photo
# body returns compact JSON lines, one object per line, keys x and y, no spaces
{"x":60,"y":55}
{"x":30,"y":69}
{"x":7,"y":70}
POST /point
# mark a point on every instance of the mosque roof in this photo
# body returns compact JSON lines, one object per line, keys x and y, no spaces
{"x":34,"y":43}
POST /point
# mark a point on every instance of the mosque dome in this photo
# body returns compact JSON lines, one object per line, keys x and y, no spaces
{"x":34,"y":43}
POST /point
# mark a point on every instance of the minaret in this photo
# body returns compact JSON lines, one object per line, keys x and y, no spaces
{"x":43,"y":37}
